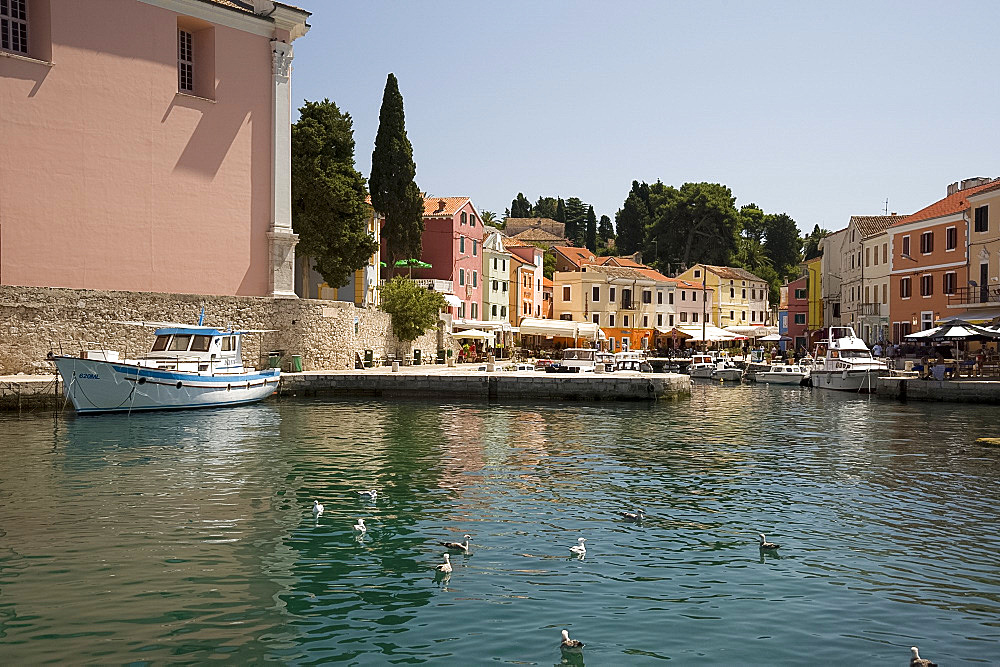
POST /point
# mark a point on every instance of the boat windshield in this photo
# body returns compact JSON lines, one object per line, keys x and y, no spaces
{"x":855,"y":354}
{"x":201,"y":343}
{"x":179,"y":343}
{"x":160,"y":343}
{"x":580,"y":355}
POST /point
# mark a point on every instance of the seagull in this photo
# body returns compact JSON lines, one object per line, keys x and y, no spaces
{"x":360,"y":526}
{"x":764,"y":544}
{"x":578,"y":548}
{"x":372,"y":494}
{"x":445,"y":566}
{"x":917,"y":661}
{"x":637,"y":517}
{"x":462,"y":546}
{"x":570,"y":643}
{"x":317,"y":509}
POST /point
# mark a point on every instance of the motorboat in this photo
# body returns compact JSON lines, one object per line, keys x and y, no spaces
{"x":783,"y":374}
{"x":575,"y":360}
{"x":843,"y":362}
{"x":186,"y":367}
{"x":632,"y":361}
{"x":702,"y":365}
{"x":727,"y":371}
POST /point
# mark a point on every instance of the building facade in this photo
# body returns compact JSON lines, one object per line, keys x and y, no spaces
{"x":496,"y":274}
{"x":739,"y":298}
{"x":146,"y":146}
{"x":618,"y":300}
{"x":981,"y":302}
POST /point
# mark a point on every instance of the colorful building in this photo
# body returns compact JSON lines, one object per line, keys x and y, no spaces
{"x":814,"y":286}
{"x":980,"y":302}
{"x":532,"y":259}
{"x":930,"y":261}
{"x":739,"y":298}
{"x":496,"y":275}
{"x":798,"y":313}
{"x":619,"y":300}
{"x":146,"y":146}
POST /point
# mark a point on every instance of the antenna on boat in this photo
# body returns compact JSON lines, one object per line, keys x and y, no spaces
{"x":201,"y":318}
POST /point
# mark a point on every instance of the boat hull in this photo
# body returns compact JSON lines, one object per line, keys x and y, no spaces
{"x":861,"y":381}
{"x":97,"y":386}
{"x":728,"y":374}
{"x":781,"y":378}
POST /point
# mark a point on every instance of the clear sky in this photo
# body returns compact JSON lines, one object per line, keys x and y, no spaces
{"x":818,"y":110}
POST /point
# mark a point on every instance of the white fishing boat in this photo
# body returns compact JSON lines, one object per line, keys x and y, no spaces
{"x":843,"y":362}
{"x":783,"y":374}
{"x":575,"y":360}
{"x":726,"y":371}
{"x":702,"y":366}
{"x":187,"y":367}
{"x":633,"y":362}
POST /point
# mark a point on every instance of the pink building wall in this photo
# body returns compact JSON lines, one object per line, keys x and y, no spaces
{"x":111,"y":179}
{"x":800,"y":307}
{"x":690,"y":298}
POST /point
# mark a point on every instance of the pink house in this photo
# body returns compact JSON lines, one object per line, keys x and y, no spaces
{"x":798,"y":311}
{"x":146,"y":145}
{"x":453,"y":245}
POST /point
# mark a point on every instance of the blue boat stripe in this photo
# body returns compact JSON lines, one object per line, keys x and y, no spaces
{"x":181,"y":375}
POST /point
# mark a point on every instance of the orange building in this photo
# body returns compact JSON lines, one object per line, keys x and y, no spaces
{"x":930,"y":262}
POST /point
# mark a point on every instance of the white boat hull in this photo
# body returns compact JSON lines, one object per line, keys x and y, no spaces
{"x":95,"y":386}
{"x":859,"y":380}
{"x":703,"y":373}
{"x":727,"y":374}
{"x":782,"y":378}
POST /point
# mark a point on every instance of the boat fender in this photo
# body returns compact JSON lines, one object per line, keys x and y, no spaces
{"x":142,"y":380}
{"x":844,"y":375}
{"x":649,"y":387}
{"x":179,"y":384}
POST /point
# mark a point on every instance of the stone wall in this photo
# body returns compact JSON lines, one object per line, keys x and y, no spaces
{"x":327,"y":334}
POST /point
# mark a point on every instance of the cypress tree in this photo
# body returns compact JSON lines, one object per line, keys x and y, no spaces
{"x":605,"y":232}
{"x":393,"y":190}
{"x":591,"y":236}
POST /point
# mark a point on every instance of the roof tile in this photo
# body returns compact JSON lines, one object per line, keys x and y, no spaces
{"x":953,"y":203}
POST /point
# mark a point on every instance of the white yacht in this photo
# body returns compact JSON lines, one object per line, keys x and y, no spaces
{"x":702,"y":365}
{"x":727,"y":371}
{"x":782,"y":374}
{"x":842,"y":361}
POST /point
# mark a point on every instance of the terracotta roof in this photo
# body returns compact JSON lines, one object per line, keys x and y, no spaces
{"x":518,"y":225}
{"x":621,"y":261}
{"x":234,"y":4}
{"x":443,"y":207}
{"x":546,"y":282}
{"x":989,"y":187}
{"x":872,"y":224}
{"x":538,"y":235}
{"x":655,"y":275}
{"x":953,"y":203}
{"x":578,"y":256}
{"x":617,"y":272}
{"x":732,"y":273}
{"x":688,"y":283}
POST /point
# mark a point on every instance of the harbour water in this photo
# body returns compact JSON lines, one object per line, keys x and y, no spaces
{"x":188,"y":536}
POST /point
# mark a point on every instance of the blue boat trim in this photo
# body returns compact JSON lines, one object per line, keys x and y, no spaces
{"x":182,"y":375}
{"x":93,"y":411}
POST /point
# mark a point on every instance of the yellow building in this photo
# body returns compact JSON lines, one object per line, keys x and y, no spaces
{"x":814,"y":283}
{"x":739,"y":297}
{"x":619,"y":300}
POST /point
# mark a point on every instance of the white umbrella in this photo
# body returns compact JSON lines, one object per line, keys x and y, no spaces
{"x":773,"y":338}
{"x":476,"y":334}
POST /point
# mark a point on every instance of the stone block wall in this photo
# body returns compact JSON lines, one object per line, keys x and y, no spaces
{"x":327,"y":334}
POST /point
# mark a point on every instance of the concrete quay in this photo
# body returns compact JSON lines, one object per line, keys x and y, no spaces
{"x":29,"y":392}
{"x":965,"y":390}
{"x":501,"y":385}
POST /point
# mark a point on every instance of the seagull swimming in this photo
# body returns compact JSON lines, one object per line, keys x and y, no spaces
{"x":360,"y":526}
{"x":636,"y":517}
{"x":463,"y":546}
{"x":578,"y":548}
{"x":445,"y":566}
{"x":317,"y":509}
{"x":570,"y":643}
{"x":917,"y":661}
{"x":372,"y":494}
{"x":764,"y":544}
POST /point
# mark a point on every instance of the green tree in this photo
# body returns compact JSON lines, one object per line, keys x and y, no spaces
{"x":697,"y":222}
{"x":752,"y":219}
{"x":560,"y":211}
{"x":782,"y":243}
{"x":414,"y":309}
{"x":576,"y":220}
{"x":545,"y":207}
{"x":394,"y":193}
{"x":632,"y":219}
{"x":810,"y":245}
{"x":605,"y":232}
{"x":591,"y":232}
{"x":490,"y":218}
{"x":548,"y":265}
{"x":520,"y":207}
{"x":329,"y":212}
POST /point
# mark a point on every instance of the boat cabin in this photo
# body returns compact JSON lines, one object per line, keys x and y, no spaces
{"x":577,"y":359}
{"x":201,"y":349}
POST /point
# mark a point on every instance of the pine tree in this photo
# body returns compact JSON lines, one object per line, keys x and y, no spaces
{"x":329,"y":212}
{"x":576,"y":220}
{"x":605,"y":232}
{"x":520,"y":207}
{"x":591,"y":234}
{"x":393,"y":191}
{"x":632,"y":219}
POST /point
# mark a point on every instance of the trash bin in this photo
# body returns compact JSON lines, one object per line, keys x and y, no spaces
{"x":274,"y":358}
{"x":416,"y":357}
{"x":296,"y":363}
{"x":369,"y":358}
{"x":440,"y":357}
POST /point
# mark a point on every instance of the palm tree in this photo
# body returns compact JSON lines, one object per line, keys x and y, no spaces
{"x":490,"y":218}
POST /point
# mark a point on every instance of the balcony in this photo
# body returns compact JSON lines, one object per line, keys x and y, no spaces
{"x":967,"y":296}
{"x":869,"y":309}
{"x":443,"y":286}
{"x":628,"y":304}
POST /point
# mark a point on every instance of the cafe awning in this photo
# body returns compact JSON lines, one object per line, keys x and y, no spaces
{"x":534,"y":326}
{"x":452,"y":300}
{"x":980,"y":316}
{"x":712,"y":333}
{"x":673,"y":332}
{"x":475,"y":334}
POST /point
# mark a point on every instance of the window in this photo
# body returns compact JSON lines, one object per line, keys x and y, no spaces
{"x":464,"y":217}
{"x":625,"y":321}
{"x":596,"y":317}
{"x":201,"y":343}
{"x":461,"y":244}
{"x":744,"y":295}
{"x":595,"y":295}
{"x":800,"y":293}
{"x":800,"y":318}
{"x":876,"y":255}
{"x":694,"y":296}
{"x":950,"y":238}
{"x":185,"y":61}
{"x":732,"y":315}
{"x":472,"y":220}
{"x":611,"y":319}
{"x":475,"y":248}
{"x":566,"y":293}
{"x":475,"y":310}
{"x":684,"y":316}
{"x":461,"y":276}
{"x":885,"y":252}
{"x":697,"y":273}
{"x":950,"y":282}
{"x":503,"y":286}
{"x":161,"y":343}
{"x":885,"y":293}
{"x":982,"y":219}
{"x":684,"y":295}
{"x":868,"y":256}
{"x":179,"y":343}
{"x":14,"y":26}
{"x":836,"y":309}
{"x":659,"y":297}
{"x":906,"y":245}
{"x":647,"y":296}
{"x":503,"y":311}
{"x":732,"y":293}
{"x":927,"y":242}
{"x":494,"y":263}
{"x":645,"y":322}
{"x":493,"y":310}
{"x":904,"y":288}
{"x":659,"y":319}
{"x":611,"y":295}
{"x":670,"y":320}
{"x":694,"y":317}
{"x":926,"y":285}
{"x":475,"y":280}
{"x":496,"y":286}
{"x":743,"y":315}
{"x":504,"y":265}
{"x":461,"y":310}
{"x":670,"y":298}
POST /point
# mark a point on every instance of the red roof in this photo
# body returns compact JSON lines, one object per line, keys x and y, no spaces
{"x":578,"y":256}
{"x":953,"y":203}
{"x":621,"y":261}
{"x":443,"y":207}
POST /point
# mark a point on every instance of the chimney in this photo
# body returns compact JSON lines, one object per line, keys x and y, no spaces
{"x":974,"y":182}
{"x":953,"y":188}
{"x":441,"y":204}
